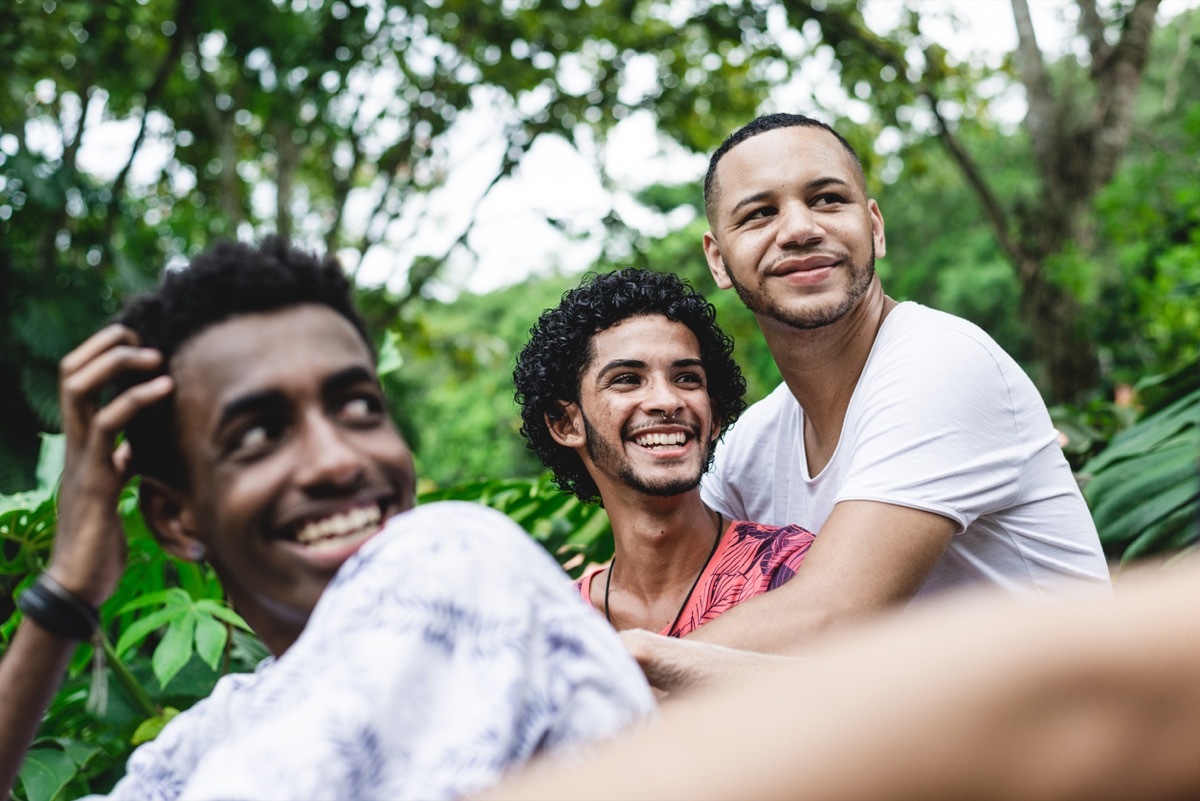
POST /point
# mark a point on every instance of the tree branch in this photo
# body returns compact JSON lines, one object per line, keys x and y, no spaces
{"x":227,"y":195}
{"x":287,"y":156}
{"x":1117,"y":89}
{"x":993,"y":210}
{"x":1175,"y":72}
{"x":1091,"y":26}
{"x":342,"y":184}
{"x":1042,"y":118}
{"x":991,"y":205}
{"x":183,"y":12}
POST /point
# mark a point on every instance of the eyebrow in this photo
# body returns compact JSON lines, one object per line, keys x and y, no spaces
{"x":817,"y":183}
{"x":256,"y":401}
{"x":618,"y":364}
{"x":348,"y":377}
{"x":635,"y":364}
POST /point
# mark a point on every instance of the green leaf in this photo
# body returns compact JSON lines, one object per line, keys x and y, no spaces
{"x":143,"y":627}
{"x":46,"y":772}
{"x":1140,"y":481}
{"x":211,"y":637}
{"x":219,"y":610}
{"x":1141,"y":517}
{"x":175,"y":648}
{"x":50,"y":461}
{"x":390,"y":358}
{"x":595,"y":527}
{"x":1171,"y":532}
{"x":1149,"y":433}
{"x":82,"y":753}
{"x":149,"y":728}
{"x":170,"y":598}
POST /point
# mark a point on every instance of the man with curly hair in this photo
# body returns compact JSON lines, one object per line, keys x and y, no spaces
{"x":624,"y":389}
{"x":416,"y":653}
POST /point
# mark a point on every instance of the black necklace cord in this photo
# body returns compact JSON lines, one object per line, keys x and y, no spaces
{"x":613,"y":564}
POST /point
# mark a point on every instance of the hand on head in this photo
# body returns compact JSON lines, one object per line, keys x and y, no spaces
{"x":89,"y":545}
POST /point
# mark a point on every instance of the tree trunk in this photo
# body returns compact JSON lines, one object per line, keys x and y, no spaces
{"x":1068,"y":365}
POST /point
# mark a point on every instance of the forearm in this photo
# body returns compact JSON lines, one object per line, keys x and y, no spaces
{"x":672,"y":665}
{"x":974,"y":699}
{"x":777,"y":623}
{"x":30,"y":672}
{"x":868,"y":558}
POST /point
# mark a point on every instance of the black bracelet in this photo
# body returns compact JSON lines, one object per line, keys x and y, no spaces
{"x":58,"y":610}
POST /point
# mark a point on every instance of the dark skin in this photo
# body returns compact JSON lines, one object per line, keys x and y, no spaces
{"x":280,"y":440}
{"x":89,"y":548}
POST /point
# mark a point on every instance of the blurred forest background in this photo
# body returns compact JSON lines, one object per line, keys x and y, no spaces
{"x":1050,"y":193}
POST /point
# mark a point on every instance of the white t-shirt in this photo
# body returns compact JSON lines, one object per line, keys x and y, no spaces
{"x":448,"y":650}
{"x":942,"y":420}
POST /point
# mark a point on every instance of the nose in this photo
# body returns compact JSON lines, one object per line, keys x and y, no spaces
{"x":798,"y":225}
{"x":327,"y":460}
{"x":662,"y":398}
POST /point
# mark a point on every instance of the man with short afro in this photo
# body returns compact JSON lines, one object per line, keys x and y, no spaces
{"x":416,"y":653}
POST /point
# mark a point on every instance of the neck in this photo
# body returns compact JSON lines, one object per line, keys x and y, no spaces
{"x":661,"y":544}
{"x":277,"y":628}
{"x":822,"y":366}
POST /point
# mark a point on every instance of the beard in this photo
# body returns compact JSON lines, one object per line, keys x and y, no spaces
{"x":611,"y":459}
{"x":808,"y":318}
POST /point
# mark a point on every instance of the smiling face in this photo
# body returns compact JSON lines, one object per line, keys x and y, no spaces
{"x":292,"y":461}
{"x":793,"y":231}
{"x":644,"y":418}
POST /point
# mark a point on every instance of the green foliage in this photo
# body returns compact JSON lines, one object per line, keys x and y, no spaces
{"x":173,"y":630}
{"x":575,"y":534}
{"x":326,"y":122}
{"x":1144,"y":488}
{"x":941,"y":251}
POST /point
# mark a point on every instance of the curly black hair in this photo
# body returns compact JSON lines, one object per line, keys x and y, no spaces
{"x":228,"y":279}
{"x":767,"y":122}
{"x":550,"y":367}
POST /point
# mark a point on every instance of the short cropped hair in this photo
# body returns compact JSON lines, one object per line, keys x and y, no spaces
{"x":550,"y":367}
{"x":767,"y":122}
{"x":227,"y":280}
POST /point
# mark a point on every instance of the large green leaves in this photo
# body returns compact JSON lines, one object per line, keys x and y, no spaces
{"x":1144,"y":488}
{"x":576,"y":534}
{"x":193,"y":626}
{"x":53,"y":766}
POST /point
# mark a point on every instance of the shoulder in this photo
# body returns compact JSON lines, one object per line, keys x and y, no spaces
{"x":911,"y":323}
{"x":762,"y":536}
{"x":447,"y":532}
{"x":584,"y":583}
{"x":163,"y":764}
{"x":763,"y":417}
{"x":449,"y":555}
{"x":936,"y":357}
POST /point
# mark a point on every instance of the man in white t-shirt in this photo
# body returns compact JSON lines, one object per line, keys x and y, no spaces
{"x":918,"y":450}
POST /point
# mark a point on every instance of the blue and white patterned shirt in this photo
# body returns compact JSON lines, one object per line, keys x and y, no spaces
{"x":449,"y":649}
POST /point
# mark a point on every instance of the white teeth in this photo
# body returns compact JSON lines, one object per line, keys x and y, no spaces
{"x":652,"y":440}
{"x":339,"y":526}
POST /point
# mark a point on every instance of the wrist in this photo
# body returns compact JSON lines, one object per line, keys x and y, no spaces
{"x":58,"y":610}
{"x":82,"y":580}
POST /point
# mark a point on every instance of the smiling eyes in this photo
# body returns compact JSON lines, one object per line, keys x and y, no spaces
{"x":632,"y":380}
{"x":259,"y":432}
{"x":822,"y":201}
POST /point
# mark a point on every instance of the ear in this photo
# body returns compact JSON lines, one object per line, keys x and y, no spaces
{"x":568,"y":429}
{"x":169,"y":515}
{"x":716,"y":264}
{"x":877,"y":229}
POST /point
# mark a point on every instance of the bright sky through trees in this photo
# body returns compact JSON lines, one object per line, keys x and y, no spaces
{"x":550,"y":213}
